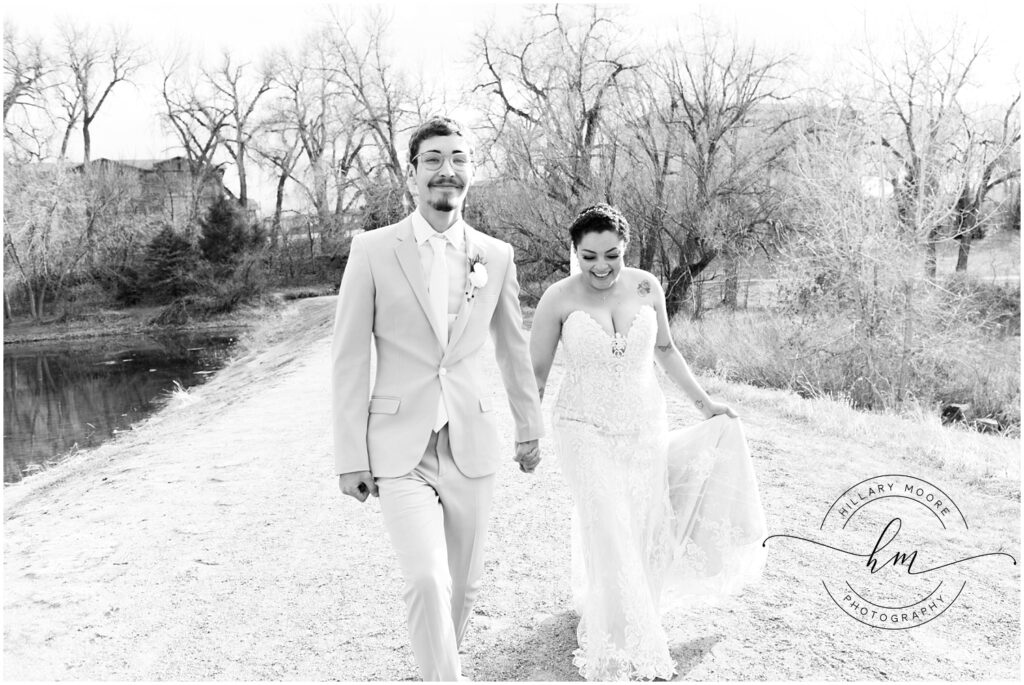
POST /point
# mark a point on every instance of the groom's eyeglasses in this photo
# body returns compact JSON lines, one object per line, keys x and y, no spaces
{"x":432,"y":161}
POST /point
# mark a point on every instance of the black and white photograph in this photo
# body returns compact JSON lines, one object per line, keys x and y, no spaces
{"x":502,"y":342}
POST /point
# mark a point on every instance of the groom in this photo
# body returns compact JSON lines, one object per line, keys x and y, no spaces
{"x":429,"y":289}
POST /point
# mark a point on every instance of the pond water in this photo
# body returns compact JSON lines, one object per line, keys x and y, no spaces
{"x":63,"y":397}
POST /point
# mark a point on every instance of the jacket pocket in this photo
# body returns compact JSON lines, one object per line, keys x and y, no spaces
{"x":485,"y":404}
{"x":380,"y":404}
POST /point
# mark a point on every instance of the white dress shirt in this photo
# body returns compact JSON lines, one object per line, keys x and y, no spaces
{"x":458,"y":265}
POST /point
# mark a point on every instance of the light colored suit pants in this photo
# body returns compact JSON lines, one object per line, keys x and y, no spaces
{"x":437,"y":521}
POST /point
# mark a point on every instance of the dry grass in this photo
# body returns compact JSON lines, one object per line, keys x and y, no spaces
{"x":768,"y":349}
{"x":176,"y":398}
{"x":914,"y":437}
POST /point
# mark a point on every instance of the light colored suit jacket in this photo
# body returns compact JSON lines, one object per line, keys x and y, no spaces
{"x":383,"y":302}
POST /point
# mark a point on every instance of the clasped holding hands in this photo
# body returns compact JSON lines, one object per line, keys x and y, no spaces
{"x":527,"y":455}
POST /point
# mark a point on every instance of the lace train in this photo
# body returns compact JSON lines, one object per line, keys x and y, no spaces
{"x":718,"y":523}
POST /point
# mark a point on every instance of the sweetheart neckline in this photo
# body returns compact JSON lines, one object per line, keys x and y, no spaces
{"x":616,"y":334}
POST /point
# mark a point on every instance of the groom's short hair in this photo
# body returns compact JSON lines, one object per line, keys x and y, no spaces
{"x":434,"y":126}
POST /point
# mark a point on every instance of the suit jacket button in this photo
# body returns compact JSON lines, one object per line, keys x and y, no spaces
{"x":442,"y":371}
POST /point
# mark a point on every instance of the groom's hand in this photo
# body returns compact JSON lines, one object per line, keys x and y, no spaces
{"x":528,"y":455}
{"x":358,"y":484}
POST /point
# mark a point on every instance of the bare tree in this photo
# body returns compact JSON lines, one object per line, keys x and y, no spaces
{"x":28,"y":78}
{"x":227,"y":101}
{"x":26,"y":68}
{"x":990,"y":159}
{"x":921,"y":126}
{"x":68,"y":112}
{"x":45,"y":242}
{"x":648,"y":140}
{"x":383,"y":104}
{"x":713,"y":118}
{"x":197,"y":135}
{"x":313,"y":109}
{"x":28,"y":139}
{"x":550,"y":87}
{"x":95,"y":64}
{"x":556,"y":78}
{"x":278,"y":146}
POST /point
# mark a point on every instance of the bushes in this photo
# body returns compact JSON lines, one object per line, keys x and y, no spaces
{"x":225,"y":269}
{"x":224,"y":233}
{"x":83,"y":296}
{"x":154,"y":263}
{"x":991,"y":307}
{"x":855,"y":317}
{"x":171,"y":266}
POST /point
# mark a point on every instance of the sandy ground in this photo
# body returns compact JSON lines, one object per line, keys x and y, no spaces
{"x":211,"y":543}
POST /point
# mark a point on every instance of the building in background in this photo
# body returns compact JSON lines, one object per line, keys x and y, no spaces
{"x":174,"y":188}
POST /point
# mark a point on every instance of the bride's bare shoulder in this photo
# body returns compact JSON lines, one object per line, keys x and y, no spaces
{"x":563,"y":287}
{"x":561,"y":296}
{"x":644,"y":282}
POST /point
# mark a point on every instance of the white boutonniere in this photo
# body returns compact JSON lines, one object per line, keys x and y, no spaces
{"x":477,"y":275}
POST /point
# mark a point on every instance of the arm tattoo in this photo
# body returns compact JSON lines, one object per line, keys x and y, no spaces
{"x":699,"y":404}
{"x":644,"y":288}
{"x":664,"y":348}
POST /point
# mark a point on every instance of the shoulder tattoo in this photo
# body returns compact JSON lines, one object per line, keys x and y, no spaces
{"x":644,"y":288}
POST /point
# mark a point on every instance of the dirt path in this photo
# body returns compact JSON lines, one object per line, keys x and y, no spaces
{"x":212,"y":543}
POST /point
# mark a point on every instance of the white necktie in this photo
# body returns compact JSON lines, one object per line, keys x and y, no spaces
{"x":439,"y":303}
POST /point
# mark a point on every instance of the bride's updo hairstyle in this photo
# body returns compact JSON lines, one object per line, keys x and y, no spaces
{"x":597,"y":219}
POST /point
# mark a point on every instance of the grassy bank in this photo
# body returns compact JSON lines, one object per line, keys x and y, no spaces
{"x":768,"y":349}
{"x":128,"y":321}
{"x":101,"y":322}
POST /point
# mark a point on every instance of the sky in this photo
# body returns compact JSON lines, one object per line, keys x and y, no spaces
{"x":428,"y":41}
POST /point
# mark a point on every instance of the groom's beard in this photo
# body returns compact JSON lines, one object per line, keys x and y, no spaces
{"x":442,"y":204}
{"x":447,"y":201}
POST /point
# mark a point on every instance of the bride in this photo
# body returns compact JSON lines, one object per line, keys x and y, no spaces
{"x":655,"y":512}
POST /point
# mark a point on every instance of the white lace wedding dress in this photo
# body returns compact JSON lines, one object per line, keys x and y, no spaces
{"x":656,"y":513}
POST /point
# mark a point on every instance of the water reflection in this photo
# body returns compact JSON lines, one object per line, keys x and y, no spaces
{"x":62,"y":397}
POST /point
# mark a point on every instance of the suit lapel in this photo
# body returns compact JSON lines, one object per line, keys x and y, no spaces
{"x":409,"y":259}
{"x":462,"y":318}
